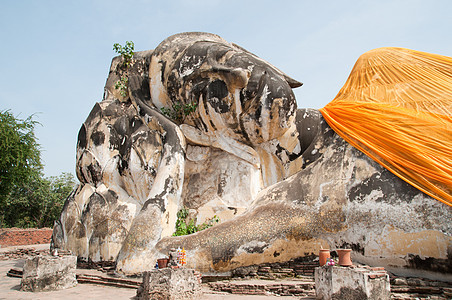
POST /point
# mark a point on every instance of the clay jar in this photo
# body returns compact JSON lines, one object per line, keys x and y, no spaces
{"x":162,"y":262}
{"x":324,"y":254}
{"x":344,"y":257}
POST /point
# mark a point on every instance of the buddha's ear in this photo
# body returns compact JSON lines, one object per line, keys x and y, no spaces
{"x":238,"y":77}
{"x":292,"y":82}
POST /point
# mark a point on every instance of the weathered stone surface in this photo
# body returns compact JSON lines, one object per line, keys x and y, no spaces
{"x":283,"y":182}
{"x":134,"y":165}
{"x":337,"y":283}
{"x":340,"y":198}
{"x":170,"y":284}
{"x":49,"y":273}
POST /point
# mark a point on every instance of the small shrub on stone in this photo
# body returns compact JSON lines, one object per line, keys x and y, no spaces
{"x":186,"y":225}
{"x":126,"y":53}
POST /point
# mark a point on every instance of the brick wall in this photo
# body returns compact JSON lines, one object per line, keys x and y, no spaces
{"x":302,"y":266}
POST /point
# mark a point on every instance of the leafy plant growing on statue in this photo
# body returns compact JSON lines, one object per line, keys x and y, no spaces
{"x":126,"y":53}
{"x":121,"y":85}
{"x":179,"y":111}
{"x":186,"y":225}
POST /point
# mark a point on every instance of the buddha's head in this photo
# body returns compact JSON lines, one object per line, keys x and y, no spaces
{"x":234,"y":90}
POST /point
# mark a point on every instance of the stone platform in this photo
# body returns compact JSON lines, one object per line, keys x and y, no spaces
{"x":170,"y":284}
{"x":352,"y":283}
{"x":49,"y":273}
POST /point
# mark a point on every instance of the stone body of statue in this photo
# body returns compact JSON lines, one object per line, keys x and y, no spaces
{"x":282,"y":181}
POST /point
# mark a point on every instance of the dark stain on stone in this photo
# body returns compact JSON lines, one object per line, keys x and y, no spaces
{"x":135,"y":124}
{"x":80,"y":231}
{"x":95,"y":171}
{"x":98,"y":138}
{"x":355,"y":247}
{"x":70,"y":221}
{"x":217,"y":91}
{"x":223,"y":258}
{"x":163,"y":64}
{"x":156,"y":201}
{"x":256,"y":249}
{"x":431,"y":264}
{"x":96,"y":112}
{"x":244,"y":97}
{"x":111,"y":197}
{"x":97,"y":199}
{"x":244,"y":133}
{"x":173,"y":86}
{"x":257,"y":114}
{"x":144,"y":137}
{"x":100,"y":230}
{"x":81,"y":144}
{"x":112,"y":109}
{"x":122,"y":126}
{"x":123,"y":165}
{"x":221,"y":185}
{"x":125,"y":146}
{"x":115,"y":139}
{"x":348,"y":293}
{"x":276,"y":254}
{"x":392,"y":187}
{"x":233,"y":208}
{"x":213,"y":125}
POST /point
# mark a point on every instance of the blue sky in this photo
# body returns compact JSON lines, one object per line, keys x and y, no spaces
{"x":55,"y":55}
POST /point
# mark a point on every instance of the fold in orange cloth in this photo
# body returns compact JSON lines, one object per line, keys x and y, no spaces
{"x":396,"y":107}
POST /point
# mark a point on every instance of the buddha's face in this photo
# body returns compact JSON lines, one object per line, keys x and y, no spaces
{"x":235,"y":91}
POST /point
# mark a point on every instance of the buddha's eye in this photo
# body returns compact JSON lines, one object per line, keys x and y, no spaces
{"x":217,"y":89}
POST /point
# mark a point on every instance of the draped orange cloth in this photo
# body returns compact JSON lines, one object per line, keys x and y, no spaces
{"x":396,"y":107}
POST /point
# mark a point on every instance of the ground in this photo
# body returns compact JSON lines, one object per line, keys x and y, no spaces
{"x":10,"y":286}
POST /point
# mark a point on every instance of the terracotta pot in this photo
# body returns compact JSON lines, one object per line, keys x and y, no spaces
{"x":324,"y":254}
{"x":344,"y":257}
{"x":162,"y":262}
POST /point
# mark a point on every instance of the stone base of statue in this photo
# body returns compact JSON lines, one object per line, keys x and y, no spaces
{"x":353,"y":283}
{"x":170,"y":284}
{"x":49,"y":273}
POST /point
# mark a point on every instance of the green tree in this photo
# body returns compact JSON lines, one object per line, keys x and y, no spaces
{"x":38,"y":202}
{"x":20,"y":152}
{"x":27,"y":199}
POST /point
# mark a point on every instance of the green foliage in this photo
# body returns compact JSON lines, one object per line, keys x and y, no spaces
{"x":185,"y":225}
{"x":121,"y":85}
{"x":27,"y":199}
{"x":38,"y":202}
{"x":211,"y":222}
{"x":20,"y":152}
{"x":179,"y":110}
{"x":126,"y":53}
